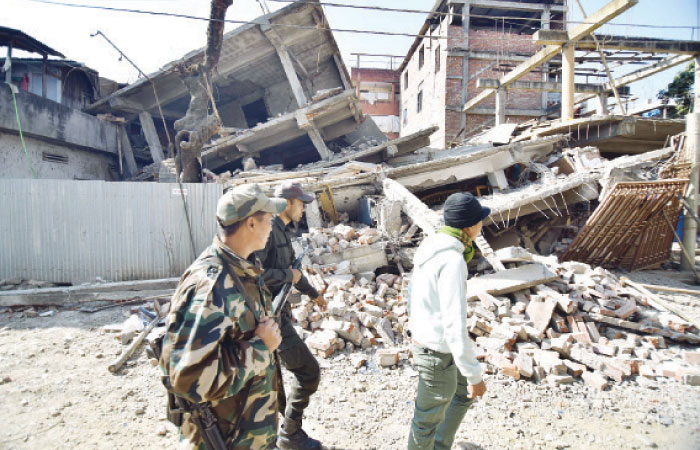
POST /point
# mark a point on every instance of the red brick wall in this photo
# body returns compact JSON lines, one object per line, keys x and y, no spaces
{"x":489,"y":40}
{"x":378,"y":75}
{"x":380,"y":108}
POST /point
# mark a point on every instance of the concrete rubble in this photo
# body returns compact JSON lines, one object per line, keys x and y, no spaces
{"x":581,"y":324}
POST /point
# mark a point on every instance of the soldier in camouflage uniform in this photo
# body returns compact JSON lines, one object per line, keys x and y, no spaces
{"x":220,"y":342}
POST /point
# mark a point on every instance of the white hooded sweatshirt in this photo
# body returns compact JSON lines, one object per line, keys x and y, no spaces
{"x":438,"y":303}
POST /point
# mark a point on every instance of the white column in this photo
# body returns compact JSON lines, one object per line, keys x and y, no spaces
{"x":500,"y":106}
{"x":567,"y":81}
{"x":149,"y":130}
{"x":690,"y":227}
{"x":602,"y":106}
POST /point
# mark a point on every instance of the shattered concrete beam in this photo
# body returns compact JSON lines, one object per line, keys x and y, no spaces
{"x":429,"y":220}
{"x":613,"y":9}
{"x":533,"y":198}
{"x":473,"y":164}
{"x":574,"y":188}
{"x":544,"y":86}
{"x":404,"y":144}
{"x":326,"y":113}
{"x":639,"y":44}
{"x":413,"y":207}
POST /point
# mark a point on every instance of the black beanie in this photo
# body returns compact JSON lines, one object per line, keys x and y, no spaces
{"x":463,"y":210}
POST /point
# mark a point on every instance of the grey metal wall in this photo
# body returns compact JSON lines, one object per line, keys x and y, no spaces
{"x":74,"y":231}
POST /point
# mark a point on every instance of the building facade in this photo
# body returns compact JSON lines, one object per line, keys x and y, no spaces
{"x":462,"y":41}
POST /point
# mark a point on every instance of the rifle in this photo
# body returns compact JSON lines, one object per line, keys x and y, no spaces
{"x":281,"y":298}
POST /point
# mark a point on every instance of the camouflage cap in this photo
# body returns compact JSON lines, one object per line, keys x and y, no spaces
{"x":243,"y":201}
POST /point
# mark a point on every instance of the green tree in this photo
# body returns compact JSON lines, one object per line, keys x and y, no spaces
{"x":681,"y":90}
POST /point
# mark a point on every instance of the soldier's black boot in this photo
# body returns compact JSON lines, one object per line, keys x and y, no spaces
{"x":293,"y":437}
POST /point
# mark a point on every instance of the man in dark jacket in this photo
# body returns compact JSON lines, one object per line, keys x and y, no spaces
{"x":277,"y":258}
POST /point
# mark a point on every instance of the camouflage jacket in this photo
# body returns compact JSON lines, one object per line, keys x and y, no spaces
{"x":210,"y":351}
{"x":276,"y":258}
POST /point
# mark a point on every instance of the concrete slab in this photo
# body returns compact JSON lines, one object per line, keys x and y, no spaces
{"x":510,"y":280}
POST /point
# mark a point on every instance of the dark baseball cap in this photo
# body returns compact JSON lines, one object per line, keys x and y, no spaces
{"x":463,"y":210}
{"x":293,"y":190}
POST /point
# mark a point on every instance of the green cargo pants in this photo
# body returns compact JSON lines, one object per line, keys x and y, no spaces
{"x":442,"y":400}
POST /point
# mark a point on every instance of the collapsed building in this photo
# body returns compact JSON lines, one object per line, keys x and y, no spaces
{"x":595,"y":193}
{"x":281,"y":89}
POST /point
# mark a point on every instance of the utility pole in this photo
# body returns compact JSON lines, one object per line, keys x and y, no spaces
{"x":690,"y":227}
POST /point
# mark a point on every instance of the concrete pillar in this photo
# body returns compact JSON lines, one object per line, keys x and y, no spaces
{"x":498,"y":180}
{"x":149,"y":130}
{"x":249,"y":163}
{"x":567,"y":81}
{"x":500,"y":106}
{"x":317,"y":140}
{"x":466,"y":17}
{"x":127,"y":152}
{"x":602,"y":106}
{"x":690,"y":227}
{"x":545,"y":19}
{"x":287,"y":65}
{"x":313,"y":215}
{"x":44,"y":69}
{"x":8,"y":74}
{"x":314,"y":134}
{"x":389,"y":221}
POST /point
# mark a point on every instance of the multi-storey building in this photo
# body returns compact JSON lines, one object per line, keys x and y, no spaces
{"x":462,"y":41}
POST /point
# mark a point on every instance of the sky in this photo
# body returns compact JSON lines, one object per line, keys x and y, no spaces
{"x":152,"y":41}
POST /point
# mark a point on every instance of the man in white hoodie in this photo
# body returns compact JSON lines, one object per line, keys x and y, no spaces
{"x":449,"y":374}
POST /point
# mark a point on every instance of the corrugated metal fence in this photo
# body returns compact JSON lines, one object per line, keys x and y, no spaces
{"x":73,"y":231}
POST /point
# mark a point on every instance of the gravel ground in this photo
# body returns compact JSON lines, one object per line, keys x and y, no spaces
{"x":57,"y":393}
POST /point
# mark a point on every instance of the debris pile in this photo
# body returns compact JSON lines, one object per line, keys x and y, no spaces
{"x":581,"y":323}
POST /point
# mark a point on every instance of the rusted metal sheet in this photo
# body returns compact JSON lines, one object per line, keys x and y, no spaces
{"x":628,"y":229}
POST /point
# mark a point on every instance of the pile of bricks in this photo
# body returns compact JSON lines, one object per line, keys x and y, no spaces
{"x":583,"y":325}
{"x":363,"y":310}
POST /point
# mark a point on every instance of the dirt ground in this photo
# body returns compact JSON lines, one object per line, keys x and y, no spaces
{"x":57,"y":393}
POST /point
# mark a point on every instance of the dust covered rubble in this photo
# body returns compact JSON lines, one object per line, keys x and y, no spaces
{"x":585,"y":325}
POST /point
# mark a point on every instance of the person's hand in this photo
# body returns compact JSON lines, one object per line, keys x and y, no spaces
{"x":269,"y":332}
{"x":296,"y":275}
{"x":321,"y":302}
{"x":476,"y":390}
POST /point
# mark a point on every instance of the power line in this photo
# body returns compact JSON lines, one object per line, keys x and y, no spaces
{"x":240,"y":22}
{"x":244,"y":22}
{"x":479,"y":16}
